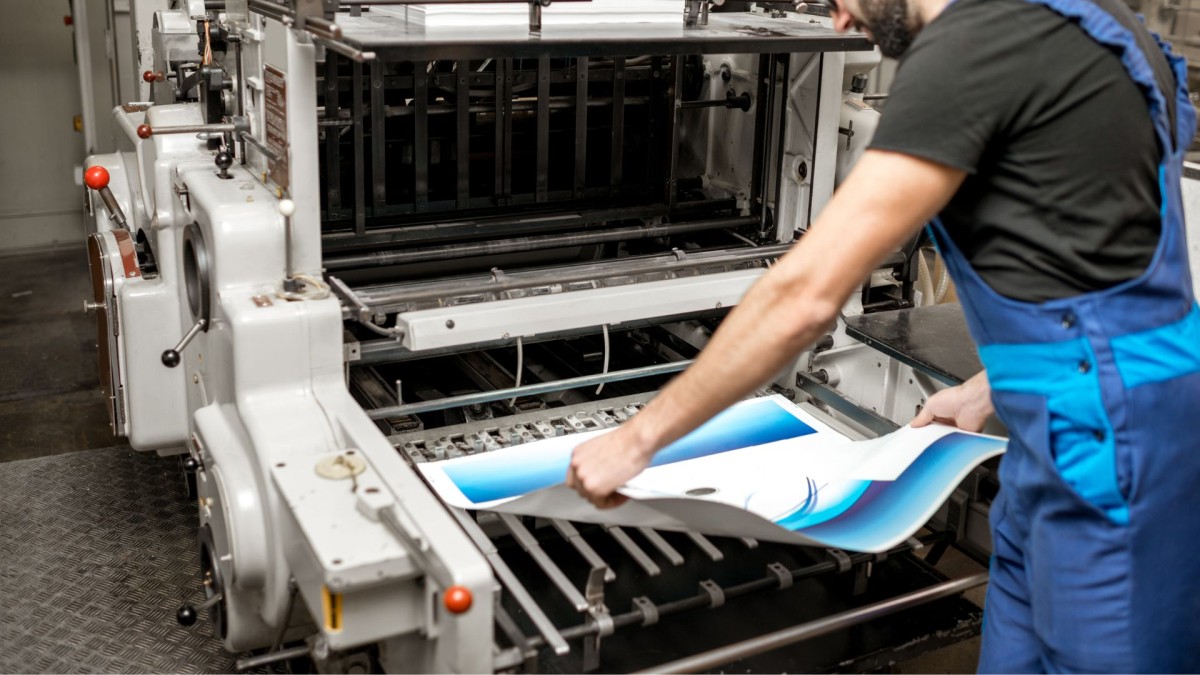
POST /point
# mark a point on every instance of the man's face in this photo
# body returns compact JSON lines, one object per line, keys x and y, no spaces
{"x":888,"y":23}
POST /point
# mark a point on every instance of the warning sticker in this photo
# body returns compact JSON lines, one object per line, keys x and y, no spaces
{"x":275,"y":95}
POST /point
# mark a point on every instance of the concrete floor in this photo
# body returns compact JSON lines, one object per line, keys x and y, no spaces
{"x":50,"y":401}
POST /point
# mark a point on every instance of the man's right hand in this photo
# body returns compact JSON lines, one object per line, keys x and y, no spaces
{"x":966,"y":406}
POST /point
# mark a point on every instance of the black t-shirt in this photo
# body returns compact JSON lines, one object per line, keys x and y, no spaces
{"x":1062,"y":193}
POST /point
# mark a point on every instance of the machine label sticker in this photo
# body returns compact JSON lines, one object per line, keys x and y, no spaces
{"x":763,"y":469}
{"x":275,"y":103}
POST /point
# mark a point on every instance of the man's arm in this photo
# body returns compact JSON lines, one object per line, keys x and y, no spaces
{"x":886,"y":199}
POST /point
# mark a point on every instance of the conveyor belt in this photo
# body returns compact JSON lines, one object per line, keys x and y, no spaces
{"x":97,"y":551}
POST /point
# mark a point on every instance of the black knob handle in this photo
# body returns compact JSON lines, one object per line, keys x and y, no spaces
{"x":170,"y":358}
{"x":190,"y":463}
{"x":224,"y":160}
{"x":186,"y":615}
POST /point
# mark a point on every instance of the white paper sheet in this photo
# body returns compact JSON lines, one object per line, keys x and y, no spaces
{"x":763,"y":469}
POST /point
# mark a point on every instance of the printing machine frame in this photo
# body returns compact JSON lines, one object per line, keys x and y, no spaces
{"x":319,"y":250}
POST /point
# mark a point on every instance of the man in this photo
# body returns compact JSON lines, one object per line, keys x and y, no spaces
{"x":1049,"y":136}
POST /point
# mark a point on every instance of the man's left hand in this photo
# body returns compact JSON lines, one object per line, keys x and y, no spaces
{"x":604,"y":464}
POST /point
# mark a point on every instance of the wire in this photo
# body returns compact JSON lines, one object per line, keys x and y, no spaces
{"x":520,"y":367}
{"x":606,"y":353}
{"x":207,"y":44}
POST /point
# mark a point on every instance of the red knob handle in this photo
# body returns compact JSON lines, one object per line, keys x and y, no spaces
{"x":96,"y":177}
{"x":457,"y":599}
{"x":144,"y":131}
{"x":149,"y":76}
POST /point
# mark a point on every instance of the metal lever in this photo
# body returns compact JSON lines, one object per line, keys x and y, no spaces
{"x":96,"y":178}
{"x":187,"y":615}
{"x":170,"y":358}
{"x":235,"y":124}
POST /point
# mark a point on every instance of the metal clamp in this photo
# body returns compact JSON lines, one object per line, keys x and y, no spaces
{"x":782,"y":573}
{"x":648,"y":609}
{"x":716,"y":594}
{"x":840,"y":557}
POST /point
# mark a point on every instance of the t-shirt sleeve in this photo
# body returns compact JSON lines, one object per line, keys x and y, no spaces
{"x":951,"y":99}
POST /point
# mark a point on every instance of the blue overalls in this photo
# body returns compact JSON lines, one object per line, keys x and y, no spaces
{"x":1096,"y":530}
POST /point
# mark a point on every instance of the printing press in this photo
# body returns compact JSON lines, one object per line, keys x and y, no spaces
{"x":337,"y":241}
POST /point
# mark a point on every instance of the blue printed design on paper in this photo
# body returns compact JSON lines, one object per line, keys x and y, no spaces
{"x":855,"y":514}
{"x":754,"y":423}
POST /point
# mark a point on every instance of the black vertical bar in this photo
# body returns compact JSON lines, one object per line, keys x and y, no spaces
{"x":768,"y":130}
{"x":812,"y":165}
{"x":543,"y":128}
{"x":421,"y":135}
{"x":360,"y":174}
{"x":785,"y":60}
{"x":760,"y":126}
{"x":498,"y":124}
{"x":618,"y":125}
{"x":670,"y":180}
{"x":378,"y":142}
{"x":463,"y":142}
{"x":508,"y":129}
{"x":581,"y":90}
{"x":333,"y":139}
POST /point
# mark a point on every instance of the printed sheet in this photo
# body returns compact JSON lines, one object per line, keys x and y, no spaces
{"x":763,"y":469}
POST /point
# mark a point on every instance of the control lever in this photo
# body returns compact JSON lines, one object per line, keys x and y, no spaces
{"x":150,"y":76}
{"x":96,"y":178}
{"x":236,"y":124}
{"x":170,"y":358}
{"x":187,"y":615}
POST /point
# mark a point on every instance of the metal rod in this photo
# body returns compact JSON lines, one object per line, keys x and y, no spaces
{"x":670,"y":184}
{"x":378,"y":140}
{"x":787,"y":636}
{"x":564,"y":277}
{"x":869,"y":420}
{"x":639,"y":556}
{"x":360,"y":173}
{"x":618,"y":126}
{"x":581,"y":98}
{"x":543,"y":125}
{"x":333,"y":174}
{"x":568,"y":531}
{"x":527,"y":390}
{"x":656,"y":540}
{"x":768,"y":132}
{"x":462,"y":94}
{"x":707,"y":546}
{"x":786,"y":63}
{"x":549,"y":633}
{"x":522,"y":244}
{"x":421,"y":135}
{"x":221,"y":127}
{"x":356,"y":55}
{"x":253,"y":662}
{"x":530,"y":543}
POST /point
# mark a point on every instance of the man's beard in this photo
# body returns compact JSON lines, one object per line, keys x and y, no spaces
{"x":890,"y":25}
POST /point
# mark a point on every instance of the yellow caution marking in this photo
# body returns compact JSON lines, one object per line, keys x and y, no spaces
{"x":332,"y":603}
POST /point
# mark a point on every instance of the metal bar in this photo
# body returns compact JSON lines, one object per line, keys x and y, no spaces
{"x":656,"y":540}
{"x":761,"y":106}
{"x":508,"y":128}
{"x":639,"y":556}
{"x":785,"y":61}
{"x":768,"y":118}
{"x":421,"y":136}
{"x":510,"y":628}
{"x":581,"y":103}
{"x":356,"y":55}
{"x":527,"y":390}
{"x":543,"y":127}
{"x":568,"y":531}
{"x":360,"y":177}
{"x":812,"y":162}
{"x":618,"y":126}
{"x":378,"y":140}
{"x":530,"y":543}
{"x":463,"y":131}
{"x":523,"y":244}
{"x":671,"y":194}
{"x":505,"y":574}
{"x":333,"y":169}
{"x":868,"y":419}
{"x":707,"y":546}
{"x":564,"y":277}
{"x":787,"y":636}
{"x":750,"y":543}
{"x":498,"y":128}
{"x":253,"y":662}
{"x":656,"y":174}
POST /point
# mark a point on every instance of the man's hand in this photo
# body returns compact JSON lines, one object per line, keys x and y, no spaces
{"x":604,"y":464}
{"x":966,"y":406}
